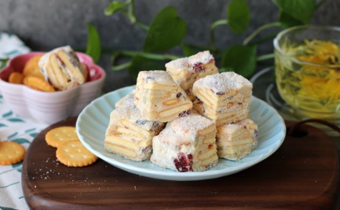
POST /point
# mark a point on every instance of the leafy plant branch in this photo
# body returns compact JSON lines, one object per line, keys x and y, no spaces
{"x":259,"y":30}
{"x":167,"y":30}
{"x":212,"y":31}
{"x":128,"y":9}
{"x":151,"y":56}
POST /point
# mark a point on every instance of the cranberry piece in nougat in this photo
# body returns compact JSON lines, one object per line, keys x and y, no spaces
{"x":185,"y":71}
{"x":186,"y":144}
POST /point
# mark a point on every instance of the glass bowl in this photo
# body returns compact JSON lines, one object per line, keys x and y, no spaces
{"x":307,"y":71}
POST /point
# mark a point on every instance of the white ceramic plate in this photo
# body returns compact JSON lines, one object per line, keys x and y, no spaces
{"x":93,"y":120}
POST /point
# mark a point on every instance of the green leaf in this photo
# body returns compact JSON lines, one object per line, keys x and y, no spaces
{"x":3,"y":62}
{"x":301,"y":10}
{"x":93,"y":48}
{"x":114,"y":7}
{"x":21,"y":141}
{"x":166,"y":31}
{"x":18,"y":167}
{"x":139,"y":63}
{"x":238,"y":15}
{"x":12,"y":135}
{"x":6,"y":208}
{"x":29,"y":130}
{"x":288,"y":21}
{"x":240,"y":59}
{"x":15,"y":120}
{"x":187,"y":50}
{"x":7,"y":114}
{"x":34,"y":134}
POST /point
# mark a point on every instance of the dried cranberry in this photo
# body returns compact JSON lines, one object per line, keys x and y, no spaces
{"x":198,"y":67}
{"x":190,"y":156}
{"x":220,"y":93}
{"x":61,"y":61}
{"x":178,"y":94}
{"x":182,"y":163}
{"x":184,"y":114}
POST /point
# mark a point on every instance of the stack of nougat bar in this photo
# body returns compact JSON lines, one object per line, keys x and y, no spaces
{"x":225,"y":98}
{"x":184,"y":118}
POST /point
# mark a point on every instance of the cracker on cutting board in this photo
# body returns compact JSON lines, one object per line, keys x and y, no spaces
{"x":74,"y":154}
{"x":57,"y":136}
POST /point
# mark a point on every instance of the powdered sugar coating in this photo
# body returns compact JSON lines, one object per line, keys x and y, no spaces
{"x":189,"y":62}
{"x":180,"y":63}
{"x":191,"y":123}
{"x":125,"y":109}
{"x":242,"y":124}
{"x":246,"y":122}
{"x":202,"y":57}
{"x":127,"y":101}
{"x":184,"y":130}
{"x":223,"y":82}
{"x":159,"y":76}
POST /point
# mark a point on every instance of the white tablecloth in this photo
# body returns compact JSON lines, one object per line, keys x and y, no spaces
{"x":14,"y":128}
{"x":22,"y":131}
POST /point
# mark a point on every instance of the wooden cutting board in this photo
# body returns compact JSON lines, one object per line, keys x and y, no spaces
{"x":303,"y":174}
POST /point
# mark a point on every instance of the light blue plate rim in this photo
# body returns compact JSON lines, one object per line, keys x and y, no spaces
{"x":93,"y":120}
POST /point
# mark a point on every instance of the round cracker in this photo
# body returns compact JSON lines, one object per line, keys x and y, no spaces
{"x":32,"y":67}
{"x":11,"y":153}
{"x":57,"y":136}
{"x":16,"y":78}
{"x":74,"y":154}
{"x":38,"y":84}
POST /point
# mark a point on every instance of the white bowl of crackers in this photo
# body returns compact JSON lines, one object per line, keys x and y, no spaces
{"x":52,"y":86}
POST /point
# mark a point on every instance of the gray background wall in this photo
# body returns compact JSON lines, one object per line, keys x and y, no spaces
{"x":46,"y":24}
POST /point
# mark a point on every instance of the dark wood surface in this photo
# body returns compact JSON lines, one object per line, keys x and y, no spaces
{"x":303,"y":174}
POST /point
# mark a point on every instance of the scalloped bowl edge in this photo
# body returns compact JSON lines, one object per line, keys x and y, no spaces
{"x":49,"y":107}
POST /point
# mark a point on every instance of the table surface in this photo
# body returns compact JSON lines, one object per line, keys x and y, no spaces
{"x":23,"y":131}
{"x":303,"y":174}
